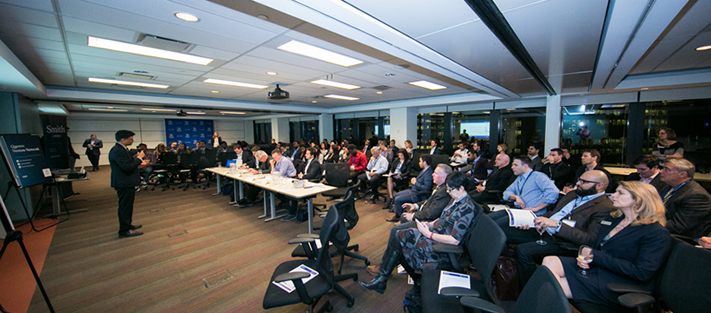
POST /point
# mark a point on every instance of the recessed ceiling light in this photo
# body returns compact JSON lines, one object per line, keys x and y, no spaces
{"x":487,"y":112}
{"x":215,"y":91}
{"x":196,"y":113}
{"x":262,"y":16}
{"x":109,"y":107}
{"x":318,"y":53}
{"x":127,"y":83}
{"x":187,"y":17}
{"x":147,"y":51}
{"x":314,"y":101}
{"x":341,"y":97}
{"x":645,"y":88}
{"x":334,"y":84}
{"x":703,"y":48}
{"x":154,"y":109}
{"x":232,"y":112}
{"x":379,"y":92}
{"x":272,"y":73}
{"x":231,"y":83}
{"x":107,"y":110}
{"x":427,"y":85}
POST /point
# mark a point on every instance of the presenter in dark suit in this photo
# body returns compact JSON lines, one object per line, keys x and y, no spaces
{"x":631,"y":246}
{"x":124,"y":178}
{"x":93,"y":146}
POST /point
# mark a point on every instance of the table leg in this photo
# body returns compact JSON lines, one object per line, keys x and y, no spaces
{"x":310,"y":208}
{"x":266,"y":195}
{"x":241,"y":190}
{"x":234,"y":191}
{"x":273,"y":209}
{"x":219,"y":185}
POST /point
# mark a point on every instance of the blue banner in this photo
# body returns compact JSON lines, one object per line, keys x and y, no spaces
{"x":188,"y":131}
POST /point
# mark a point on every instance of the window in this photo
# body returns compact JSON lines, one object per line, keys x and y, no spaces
{"x":601,"y":126}
{"x":430,"y":126}
{"x":521,"y":128}
{"x":262,"y":133}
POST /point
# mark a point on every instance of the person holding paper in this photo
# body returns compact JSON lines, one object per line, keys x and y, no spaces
{"x":460,"y":156}
{"x":377,"y":166}
{"x":412,"y":247}
{"x":630,"y":248}
{"x":573,"y":222}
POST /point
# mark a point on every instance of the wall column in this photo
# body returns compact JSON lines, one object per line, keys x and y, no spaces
{"x":403,"y":125}
{"x":325,"y":127}
{"x":553,"y":120}
{"x":280,"y":129}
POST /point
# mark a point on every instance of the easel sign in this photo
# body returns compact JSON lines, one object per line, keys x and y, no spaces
{"x":23,"y":156}
{"x":7,"y":225}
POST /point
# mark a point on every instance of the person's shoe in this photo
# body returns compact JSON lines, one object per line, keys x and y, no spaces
{"x":134,"y":227}
{"x":388,"y":204}
{"x":144,"y":185}
{"x":394,"y":219}
{"x":245,"y":204}
{"x":288,"y":218}
{"x":373,"y":269}
{"x":130,"y":233}
{"x":138,"y":188}
{"x":380,"y":282}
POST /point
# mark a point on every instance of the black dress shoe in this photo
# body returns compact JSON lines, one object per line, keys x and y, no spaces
{"x":130,"y":233}
{"x":134,"y":227}
{"x":394,"y":219}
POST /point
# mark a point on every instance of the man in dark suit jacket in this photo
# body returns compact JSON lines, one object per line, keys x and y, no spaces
{"x":311,"y":169}
{"x":688,"y":205}
{"x":647,"y":167}
{"x":575,"y":221}
{"x":480,"y":167}
{"x":435,"y":150}
{"x":125,"y":178}
{"x":93,"y":146}
{"x":591,"y":161}
{"x":366,"y":148}
{"x":533,"y":151}
{"x":498,"y":181}
{"x":261,"y":161}
{"x":421,"y":187}
{"x":558,"y":171}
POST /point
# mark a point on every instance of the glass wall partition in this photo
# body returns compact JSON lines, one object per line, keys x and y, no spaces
{"x":306,"y":130}
{"x":430,"y":126}
{"x":344,"y":129}
{"x":521,"y":128}
{"x":262,"y":133}
{"x":471,"y":125}
{"x":601,"y":126}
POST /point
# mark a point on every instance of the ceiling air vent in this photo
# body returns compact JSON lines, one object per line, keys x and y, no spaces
{"x":136,"y":76}
{"x":381,"y":87}
{"x":163,"y":43}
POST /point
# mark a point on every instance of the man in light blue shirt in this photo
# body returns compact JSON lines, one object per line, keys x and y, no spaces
{"x":282,"y":165}
{"x":373,"y":174}
{"x":531,"y":190}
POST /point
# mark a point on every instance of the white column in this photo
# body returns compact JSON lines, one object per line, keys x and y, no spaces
{"x":325,"y":126}
{"x":403,"y":125}
{"x":553,"y":123}
{"x":280,"y":129}
{"x":249,"y":131}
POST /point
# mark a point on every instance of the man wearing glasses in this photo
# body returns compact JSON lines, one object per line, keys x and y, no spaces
{"x":688,"y":205}
{"x":573,"y":222}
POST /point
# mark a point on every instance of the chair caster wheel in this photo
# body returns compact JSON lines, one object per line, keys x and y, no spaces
{"x":350,"y":303}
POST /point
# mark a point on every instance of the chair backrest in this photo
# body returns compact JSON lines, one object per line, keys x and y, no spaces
{"x":686,"y":281}
{"x":485,"y":248}
{"x":349,"y":212}
{"x":542,"y":294}
{"x":334,"y":231}
{"x":439,"y":159}
{"x":337,"y":174}
{"x":170,"y":158}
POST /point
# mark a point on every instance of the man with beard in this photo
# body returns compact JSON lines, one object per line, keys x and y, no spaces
{"x":575,"y":221}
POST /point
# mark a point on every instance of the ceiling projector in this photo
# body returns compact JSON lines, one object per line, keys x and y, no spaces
{"x":278,"y":94}
{"x":181,"y":113}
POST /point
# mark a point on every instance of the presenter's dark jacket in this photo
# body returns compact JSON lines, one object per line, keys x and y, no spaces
{"x":124,"y":168}
{"x":657,"y":182}
{"x":314,"y":173}
{"x":95,"y":151}
{"x":431,"y":209}
{"x":689,"y":211}
{"x":587,"y":219}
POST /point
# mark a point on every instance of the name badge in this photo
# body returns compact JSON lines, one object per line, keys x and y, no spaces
{"x":606,"y":223}
{"x":568,"y":222}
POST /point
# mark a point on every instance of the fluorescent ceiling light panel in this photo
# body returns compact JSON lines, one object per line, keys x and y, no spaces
{"x":231,"y":83}
{"x":161,"y":110}
{"x":231,"y":112}
{"x":187,"y":17}
{"x":341,"y":97}
{"x":318,"y":53}
{"x":334,"y":84}
{"x":427,"y":85}
{"x":147,"y":51}
{"x":196,"y":113}
{"x":127,"y":83}
{"x":107,"y":110}
{"x":703,"y":48}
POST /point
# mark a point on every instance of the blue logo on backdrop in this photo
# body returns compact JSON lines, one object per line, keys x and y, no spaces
{"x":188,"y":131}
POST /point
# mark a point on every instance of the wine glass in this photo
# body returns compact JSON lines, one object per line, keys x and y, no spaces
{"x":541,"y":229}
{"x":585,"y":255}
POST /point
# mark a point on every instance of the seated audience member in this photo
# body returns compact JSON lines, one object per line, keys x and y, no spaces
{"x":647,"y":167}
{"x":502,"y":148}
{"x":413,"y":247}
{"x":399,"y":173}
{"x":159,"y":152}
{"x":575,"y":221}
{"x":688,"y":205}
{"x":574,"y":162}
{"x":221,"y":149}
{"x":590,"y":160}
{"x":460,"y":156}
{"x":182,"y":149}
{"x":409,"y":148}
{"x":295,"y":152}
{"x":385,"y":152}
{"x":173,"y":147}
{"x":498,"y":181}
{"x":146,"y":171}
{"x":480,"y":165}
{"x":425,"y":211}
{"x":536,"y":163}
{"x":200,"y":147}
{"x":557,"y":170}
{"x":377,"y":166}
{"x":392,"y":147}
{"x":366,"y":148}
{"x":282,"y":165}
{"x":630,"y":248}
{"x":331,"y":156}
{"x":435,"y":147}
{"x":245,"y":156}
{"x":357,"y":161}
{"x":667,"y":146}
{"x":421,"y":187}
{"x":531,"y":190}
{"x":311,"y":169}
{"x":261,"y":166}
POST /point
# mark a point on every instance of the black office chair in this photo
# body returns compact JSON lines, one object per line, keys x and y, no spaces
{"x":337,"y":175}
{"x":542,"y":294}
{"x":484,"y":248}
{"x":205,"y":161}
{"x":334,"y":231}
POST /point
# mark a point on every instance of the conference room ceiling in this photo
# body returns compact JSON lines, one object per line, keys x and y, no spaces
{"x":580,"y":47}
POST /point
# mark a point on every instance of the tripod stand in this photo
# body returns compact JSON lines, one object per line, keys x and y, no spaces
{"x":17,"y":236}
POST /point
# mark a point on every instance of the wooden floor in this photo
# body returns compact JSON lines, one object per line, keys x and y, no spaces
{"x":88,"y":269}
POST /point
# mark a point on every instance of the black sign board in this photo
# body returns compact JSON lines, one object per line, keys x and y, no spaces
{"x":24,"y":158}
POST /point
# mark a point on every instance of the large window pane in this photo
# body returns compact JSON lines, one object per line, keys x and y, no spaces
{"x":429,"y":126}
{"x":602,"y":127}
{"x":521,"y":128}
{"x":476,"y":124}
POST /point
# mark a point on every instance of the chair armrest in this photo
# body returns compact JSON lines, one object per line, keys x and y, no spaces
{"x":477,"y":303}
{"x":626,"y":288}
{"x":291,"y":276}
{"x":446,"y":248}
{"x":634,"y":300}
{"x":314,"y":236}
{"x":458,"y":292}
{"x":300,"y":240}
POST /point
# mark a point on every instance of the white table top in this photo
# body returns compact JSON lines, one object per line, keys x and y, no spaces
{"x":265,"y":181}
{"x":627,"y":171}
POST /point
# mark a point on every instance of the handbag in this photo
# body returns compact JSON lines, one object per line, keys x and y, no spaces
{"x":505,"y":281}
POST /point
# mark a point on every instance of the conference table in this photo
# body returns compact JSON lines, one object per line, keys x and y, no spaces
{"x":624,"y":171}
{"x":271,"y":185}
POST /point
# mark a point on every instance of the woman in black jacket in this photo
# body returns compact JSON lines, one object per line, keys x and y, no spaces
{"x":399,"y":174}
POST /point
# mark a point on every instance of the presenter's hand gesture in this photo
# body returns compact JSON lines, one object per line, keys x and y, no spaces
{"x":140,"y":154}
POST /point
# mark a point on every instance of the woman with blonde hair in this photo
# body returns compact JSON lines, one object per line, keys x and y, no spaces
{"x":630,"y":248}
{"x":409,"y":148}
{"x":160,"y":150}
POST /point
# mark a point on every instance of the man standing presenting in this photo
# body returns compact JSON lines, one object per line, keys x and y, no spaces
{"x":92,"y":146}
{"x":125,"y":178}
